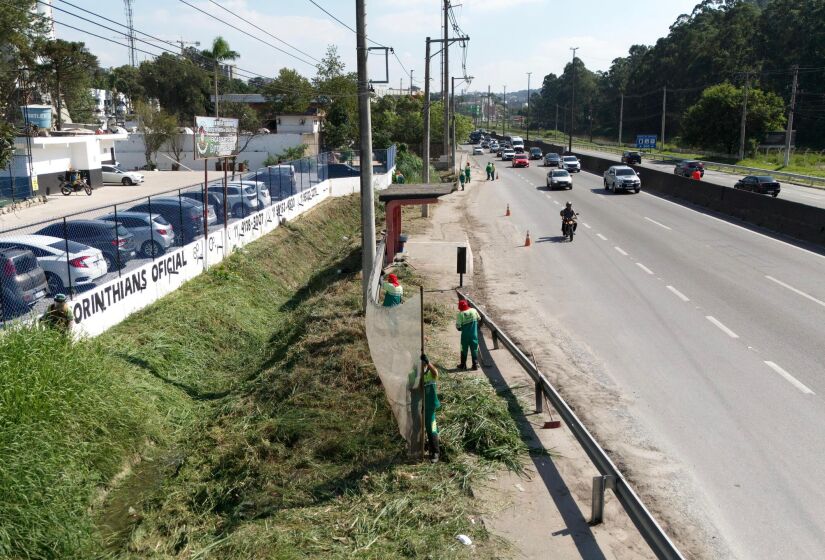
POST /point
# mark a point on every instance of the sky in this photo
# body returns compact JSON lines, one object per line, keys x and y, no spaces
{"x":508,"y":38}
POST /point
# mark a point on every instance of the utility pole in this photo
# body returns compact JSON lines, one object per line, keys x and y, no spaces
{"x":452,"y":97}
{"x":411,"y":81}
{"x":789,"y":130}
{"x":664,"y":107}
{"x":446,"y":82}
{"x":504,"y":120}
{"x":365,"y":125}
{"x":556,"y":128}
{"x":425,"y":148}
{"x":572,"y":102}
{"x":528,"y":105}
{"x":488,"y":108}
{"x":743,"y":124}
{"x":621,"y":117}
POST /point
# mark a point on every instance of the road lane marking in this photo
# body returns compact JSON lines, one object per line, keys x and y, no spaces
{"x":585,"y":225}
{"x":657,"y":223}
{"x":678,"y":294}
{"x":789,"y":378}
{"x":556,"y":202}
{"x":800,"y":292}
{"x":620,"y":250}
{"x":643,"y":267}
{"x":722,"y":327}
{"x":602,"y":237}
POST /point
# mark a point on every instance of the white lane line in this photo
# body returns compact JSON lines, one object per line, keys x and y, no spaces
{"x":678,"y":294}
{"x":548,"y":196}
{"x":722,"y":327}
{"x":620,"y":250}
{"x":800,"y":292}
{"x":657,"y":223}
{"x":585,"y":225}
{"x":790,"y":378}
{"x":643,"y":267}
{"x":602,"y":237}
{"x":556,"y":202}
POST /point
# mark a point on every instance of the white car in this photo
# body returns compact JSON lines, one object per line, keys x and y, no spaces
{"x":477,"y":150}
{"x":559,"y":179}
{"x":114,"y":174}
{"x":571,"y":164}
{"x":260,"y":188}
{"x":622,"y":177}
{"x":83,"y":266}
{"x":508,"y":154}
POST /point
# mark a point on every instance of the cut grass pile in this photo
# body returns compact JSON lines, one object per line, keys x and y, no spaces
{"x":262,"y":430}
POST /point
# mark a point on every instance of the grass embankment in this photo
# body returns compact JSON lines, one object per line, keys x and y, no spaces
{"x":412,"y":167}
{"x":250,"y":416}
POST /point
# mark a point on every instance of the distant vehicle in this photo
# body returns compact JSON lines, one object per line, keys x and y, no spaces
{"x":116,"y":174}
{"x":535,"y":153}
{"x":519,"y":149}
{"x":622,"y":177}
{"x":79,"y":269}
{"x":559,"y":179}
{"x":475,"y":136}
{"x":507,"y":154}
{"x":493,"y":147}
{"x":281,"y":178}
{"x":762,"y":184}
{"x":521,"y":160}
{"x":485,"y":143}
{"x":517,"y":142}
{"x":22,"y":282}
{"x":214,"y":200}
{"x":477,"y":151}
{"x":115,"y":242}
{"x":259,"y":188}
{"x":153,"y":233}
{"x":630,"y":158}
{"x":500,"y":151}
{"x":571,"y":164}
{"x":186,"y":215}
{"x":241,"y":200}
{"x":687,"y":167}
{"x":552,"y":160}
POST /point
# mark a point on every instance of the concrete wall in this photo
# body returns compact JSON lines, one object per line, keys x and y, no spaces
{"x":130,"y":152}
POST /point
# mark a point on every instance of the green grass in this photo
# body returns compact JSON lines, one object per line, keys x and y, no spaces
{"x":412,"y":167}
{"x":247,"y":410}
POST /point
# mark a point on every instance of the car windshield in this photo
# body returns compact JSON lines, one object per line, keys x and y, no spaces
{"x":625,"y":172}
{"x":765,"y":179}
{"x":561,"y":174}
{"x":570,"y":158}
{"x":552,"y":156}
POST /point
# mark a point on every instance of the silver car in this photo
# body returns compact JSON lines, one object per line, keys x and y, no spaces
{"x":622,"y":177}
{"x":571,"y":164}
{"x":260,"y":190}
{"x":116,"y":174}
{"x":240,"y":200}
{"x":153,"y":234}
{"x":559,"y":179}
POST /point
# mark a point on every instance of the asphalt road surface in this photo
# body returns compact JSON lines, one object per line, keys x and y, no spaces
{"x":714,"y":336}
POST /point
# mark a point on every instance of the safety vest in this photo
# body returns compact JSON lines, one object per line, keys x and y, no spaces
{"x":465,"y":318}
{"x":392,"y":294}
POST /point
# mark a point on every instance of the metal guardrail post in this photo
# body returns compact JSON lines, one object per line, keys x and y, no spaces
{"x":539,"y":398}
{"x":600,"y":484}
{"x":495,"y":339}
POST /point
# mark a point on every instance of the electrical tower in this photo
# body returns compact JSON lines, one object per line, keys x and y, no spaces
{"x":130,"y":37}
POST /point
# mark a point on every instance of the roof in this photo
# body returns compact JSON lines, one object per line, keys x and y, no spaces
{"x":415,"y":191}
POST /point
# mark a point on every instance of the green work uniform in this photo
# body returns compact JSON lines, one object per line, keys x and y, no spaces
{"x":392,"y":294}
{"x":489,"y":170}
{"x":431,"y":403}
{"x":467,"y":174}
{"x":467,"y":323}
{"x":57,"y":318}
{"x":462,"y":180}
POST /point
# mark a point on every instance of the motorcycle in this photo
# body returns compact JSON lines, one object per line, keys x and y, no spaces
{"x":67,"y":187}
{"x":568,"y":228}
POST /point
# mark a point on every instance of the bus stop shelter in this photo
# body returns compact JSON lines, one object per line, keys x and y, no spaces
{"x":396,"y":196}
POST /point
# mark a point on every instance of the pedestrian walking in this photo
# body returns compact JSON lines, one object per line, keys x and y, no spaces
{"x":467,"y":322}
{"x":493,"y":172}
{"x":431,"y":404}
{"x":58,"y":316}
{"x":393,"y":291}
{"x":461,"y":180}
{"x":467,"y":173}
{"x":489,"y":170}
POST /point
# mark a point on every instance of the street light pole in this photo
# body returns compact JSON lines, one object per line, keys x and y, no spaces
{"x":365,"y":125}
{"x":528,"y":105}
{"x":452,"y":102}
{"x":504,"y":121}
{"x":572,"y":102}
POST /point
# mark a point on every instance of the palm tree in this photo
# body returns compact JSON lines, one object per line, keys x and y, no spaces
{"x":219,"y":52}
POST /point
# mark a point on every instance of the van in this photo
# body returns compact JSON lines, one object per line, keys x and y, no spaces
{"x":517,"y":142}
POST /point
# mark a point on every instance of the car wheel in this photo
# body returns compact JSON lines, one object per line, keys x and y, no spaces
{"x":127,"y":182}
{"x":151,"y":249}
{"x":111,"y":265}
{"x":56,"y":285}
{"x":775,"y":194}
{"x":605,"y":186}
{"x":570,"y":188}
{"x":637,"y":191}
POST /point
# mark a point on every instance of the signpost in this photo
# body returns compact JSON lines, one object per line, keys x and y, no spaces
{"x":646,"y":141}
{"x":215,"y":138}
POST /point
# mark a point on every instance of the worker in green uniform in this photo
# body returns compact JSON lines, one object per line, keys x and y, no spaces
{"x":467,"y":173}
{"x":431,"y":404}
{"x":467,"y":322}
{"x":493,"y":171}
{"x":462,"y":180}
{"x":393,"y":292}
{"x":58,"y":315}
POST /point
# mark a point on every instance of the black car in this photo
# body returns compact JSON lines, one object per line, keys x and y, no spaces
{"x":535,"y":153}
{"x":115,"y":241}
{"x":185,"y":215}
{"x":630,"y":158}
{"x":280,"y":179}
{"x":762,"y":184}
{"x":215,"y":202}
{"x":552,"y":160}
{"x":339,"y":170}
{"x":22,"y":282}
{"x":687,"y":167}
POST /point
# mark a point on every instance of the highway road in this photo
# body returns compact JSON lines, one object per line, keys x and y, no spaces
{"x":691,"y":346}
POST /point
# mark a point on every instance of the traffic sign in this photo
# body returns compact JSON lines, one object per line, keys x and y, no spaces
{"x":646,"y":141}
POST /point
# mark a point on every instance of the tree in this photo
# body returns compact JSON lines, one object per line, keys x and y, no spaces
{"x":714,"y":121}
{"x":220,"y":52}
{"x":158,"y":128}
{"x":127,"y":80}
{"x":290,"y":92}
{"x":66,"y":71}
{"x":179,"y":85}
{"x":20,"y":27}
{"x":249,"y":121}
{"x":7,"y":134}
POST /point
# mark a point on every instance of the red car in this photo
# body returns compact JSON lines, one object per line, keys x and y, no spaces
{"x":521,"y":160}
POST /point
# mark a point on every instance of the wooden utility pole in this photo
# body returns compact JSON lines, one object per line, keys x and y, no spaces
{"x":572,"y":102}
{"x":621,"y":117}
{"x":789,"y":130}
{"x":365,"y":125}
{"x":446,"y":83}
{"x":743,"y":124}
{"x":425,"y":148}
{"x":664,"y":112}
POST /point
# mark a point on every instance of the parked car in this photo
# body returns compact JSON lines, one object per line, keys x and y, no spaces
{"x":339,"y":170}
{"x":116,"y":174}
{"x":535,"y":153}
{"x":260,"y":190}
{"x":477,"y":151}
{"x":559,"y":179}
{"x":552,"y":160}
{"x":281,"y":178}
{"x":215,"y":201}
{"x":115,"y":242}
{"x":241,"y":200}
{"x":521,"y":160}
{"x":186,"y":215}
{"x":630,"y":157}
{"x":762,"y":184}
{"x":622,"y":177}
{"x":153,"y":233}
{"x":78,"y":268}
{"x":508,"y":154}
{"x":22,"y":282}
{"x":687,"y":167}
{"x":571,"y":164}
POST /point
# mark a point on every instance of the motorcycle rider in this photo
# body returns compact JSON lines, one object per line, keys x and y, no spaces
{"x":568,"y":214}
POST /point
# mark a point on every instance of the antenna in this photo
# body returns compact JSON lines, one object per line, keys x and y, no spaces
{"x":130,"y":37}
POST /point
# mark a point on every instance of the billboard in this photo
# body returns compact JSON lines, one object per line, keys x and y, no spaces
{"x":215,"y":137}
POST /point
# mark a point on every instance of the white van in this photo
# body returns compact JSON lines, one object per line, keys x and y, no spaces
{"x":517,"y":141}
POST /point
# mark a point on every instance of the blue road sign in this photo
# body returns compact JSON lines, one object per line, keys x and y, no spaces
{"x":646,"y":141}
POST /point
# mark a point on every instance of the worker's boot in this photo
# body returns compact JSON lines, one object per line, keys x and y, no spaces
{"x":435,"y":448}
{"x":475,"y":364}
{"x":462,"y":366}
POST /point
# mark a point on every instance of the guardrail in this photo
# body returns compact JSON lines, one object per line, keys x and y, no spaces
{"x":610,"y":476}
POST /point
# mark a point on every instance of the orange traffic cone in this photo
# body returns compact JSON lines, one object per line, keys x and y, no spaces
{"x":508,"y":210}
{"x":528,"y":241}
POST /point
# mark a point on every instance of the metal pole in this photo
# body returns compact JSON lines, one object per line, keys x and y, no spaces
{"x":421,"y":385}
{"x":504,"y":120}
{"x":117,"y":245}
{"x":528,"y":105}
{"x":68,"y":263}
{"x":664,"y":112}
{"x":425,"y":148}
{"x":488,"y":108}
{"x":452,"y":102}
{"x":621,"y":117}
{"x":743,"y":124}
{"x":411,"y":81}
{"x":557,"y":118}
{"x":446,"y":82}
{"x":789,"y":130}
{"x":365,"y":125}
{"x":572,"y":102}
